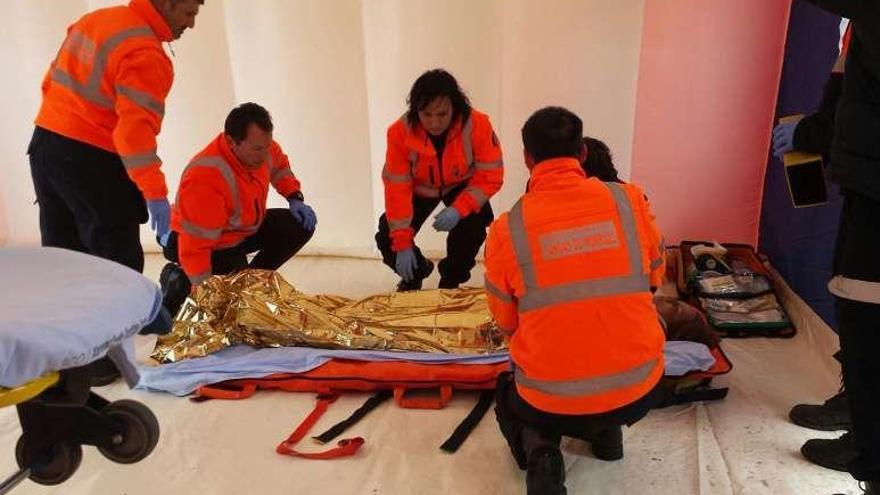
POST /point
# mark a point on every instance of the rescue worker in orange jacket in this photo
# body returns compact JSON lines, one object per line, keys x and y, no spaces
{"x":220,"y":214}
{"x":568,"y":276}
{"x":441,"y":150}
{"x":93,"y":153}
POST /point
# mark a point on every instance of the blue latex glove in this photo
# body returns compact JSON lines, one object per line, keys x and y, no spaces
{"x":303,"y":213}
{"x":447,"y":219}
{"x":783,"y":138}
{"x":405,"y":264}
{"x":160,"y":215}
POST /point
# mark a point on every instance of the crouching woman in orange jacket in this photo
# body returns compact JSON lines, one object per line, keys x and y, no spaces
{"x":440,"y":150}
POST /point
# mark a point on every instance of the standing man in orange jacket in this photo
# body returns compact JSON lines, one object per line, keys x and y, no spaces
{"x":220,"y":214}
{"x":441,"y":150}
{"x":93,"y":153}
{"x":569,"y":272}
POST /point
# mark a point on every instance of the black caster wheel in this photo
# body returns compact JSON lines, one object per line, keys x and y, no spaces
{"x":138,"y":432}
{"x":51,"y":467}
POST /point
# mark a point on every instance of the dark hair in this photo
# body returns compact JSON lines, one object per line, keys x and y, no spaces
{"x":553,"y":132}
{"x":599,"y":162}
{"x":241,"y":117}
{"x":435,"y":84}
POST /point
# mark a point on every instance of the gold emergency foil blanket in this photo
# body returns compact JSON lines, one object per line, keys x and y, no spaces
{"x":259,"y":308}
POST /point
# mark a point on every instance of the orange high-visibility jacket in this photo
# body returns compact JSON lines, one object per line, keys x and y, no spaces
{"x":220,"y":202}
{"x":472,"y":154}
{"x":568,"y":275}
{"x":107,"y":88}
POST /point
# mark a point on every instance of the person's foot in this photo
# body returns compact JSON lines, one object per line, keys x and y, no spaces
{"x":424,"y":271}
{"x":103,"y":372}
{"x":175,"y":287}
{"x":607,"y":445}
{"x":447,"y":284}
{"x":832,"y":415}
{"x":546,"y":472}
{"x":834,"y":453}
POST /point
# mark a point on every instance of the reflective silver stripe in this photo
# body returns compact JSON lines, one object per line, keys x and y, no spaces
{"x":90,"y":94}
{"x":199,"y":278}
{"x":467,"y":141}
{"x":495,"y":291}
{"x":400,"y":224}
{"x":80,"y":46}
{"x":91,"y":90}
{"x":226,"y":171}
{"x":142,"y":99}
{"x":536,"y":297}
{"x":489,"y":165}
{"x":656,"y":263}
{"x":281,"y":173}
{"x":628,"y":222}
{"x":588,"y":386}
{"x":397,"y":178}
{"x":141,"y":160}
{"x":426,"y":191}
{"x":855,"y":290}
{"x":201,"y":232}
{"x":478,"y":195}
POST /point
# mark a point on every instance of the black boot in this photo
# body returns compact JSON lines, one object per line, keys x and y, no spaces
{"x":607,"y":445}
{"x":445,"y":283}
{"x":833,"y":415}
{"x":546,"y":471}
{"x":424,"y":271}
{"x":833,"y":454}
{"x":175,"y":287}
{"x":872,"y":488}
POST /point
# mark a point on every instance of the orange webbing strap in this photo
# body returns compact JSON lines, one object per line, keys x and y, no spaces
{"x":345,"y":448}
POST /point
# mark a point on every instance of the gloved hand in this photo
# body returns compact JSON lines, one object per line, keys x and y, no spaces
{"x":303,"y":213}
{"x":405,"y":265}
{"x":160,"y":215}
{"x":447,"y":219}
{"x":783,"y":138}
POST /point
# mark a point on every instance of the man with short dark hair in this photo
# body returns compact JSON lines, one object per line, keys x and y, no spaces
{"x":220,"y":214}
{"x":568,"y":277}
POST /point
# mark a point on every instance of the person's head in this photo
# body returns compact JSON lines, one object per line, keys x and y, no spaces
{"x":599,"y":162}
{"x":179,"y":14}
{"x":248,"y":131}
{"x":435,"y":101}
{"x":552,"y":132}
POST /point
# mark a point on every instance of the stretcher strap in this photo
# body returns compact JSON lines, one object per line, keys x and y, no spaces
{"x":339,"y":428}
{"x":344,"y":448}
{"x":467,"y":426}
{"x":674,"y":398}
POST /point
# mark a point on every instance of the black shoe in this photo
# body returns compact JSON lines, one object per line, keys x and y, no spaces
{"x":103,"y":372}
{"x":447,"y":284}
{"x":607,"y":445}
{"x":175,"y":288}
{"x":546,"y":472}
{"x":423,"y":272}
{"x":872,"y":488}
{"x":833,"y":415}
{"x":833,"y":454}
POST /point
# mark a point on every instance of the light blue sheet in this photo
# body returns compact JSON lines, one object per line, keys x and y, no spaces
{"x":682,"y":357}
{"x":61,"y":309}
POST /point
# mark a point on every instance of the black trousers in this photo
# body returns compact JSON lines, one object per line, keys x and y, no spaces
{"x":462,"y":244}
{"x":857,"y":256}
{"x":87,"y":201}
{"x":514,"y":415}
{"x":279,"y":237}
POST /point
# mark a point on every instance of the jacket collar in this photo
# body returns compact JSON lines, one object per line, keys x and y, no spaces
{"x":548,"y":172}
{"x":146,"y":10}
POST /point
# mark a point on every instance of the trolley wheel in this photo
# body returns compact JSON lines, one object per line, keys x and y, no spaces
{"x":139,"y":432}
{"x":51,"y":467}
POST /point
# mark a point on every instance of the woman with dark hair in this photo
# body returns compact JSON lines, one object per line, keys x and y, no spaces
{"x":599,"y":162}
{"x":441,"y":150}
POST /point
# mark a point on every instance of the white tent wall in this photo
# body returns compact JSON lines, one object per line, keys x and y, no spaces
{"x":335,"y":74}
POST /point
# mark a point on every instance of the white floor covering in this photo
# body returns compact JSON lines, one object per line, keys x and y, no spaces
{"x":741,"y":445}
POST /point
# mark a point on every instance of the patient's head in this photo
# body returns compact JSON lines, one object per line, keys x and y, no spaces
{"x":599,"y":162}
{"x":552,"y":132}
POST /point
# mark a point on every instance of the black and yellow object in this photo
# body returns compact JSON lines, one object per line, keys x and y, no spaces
{"x":805,"y":175}
{"x":26,"y":392}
